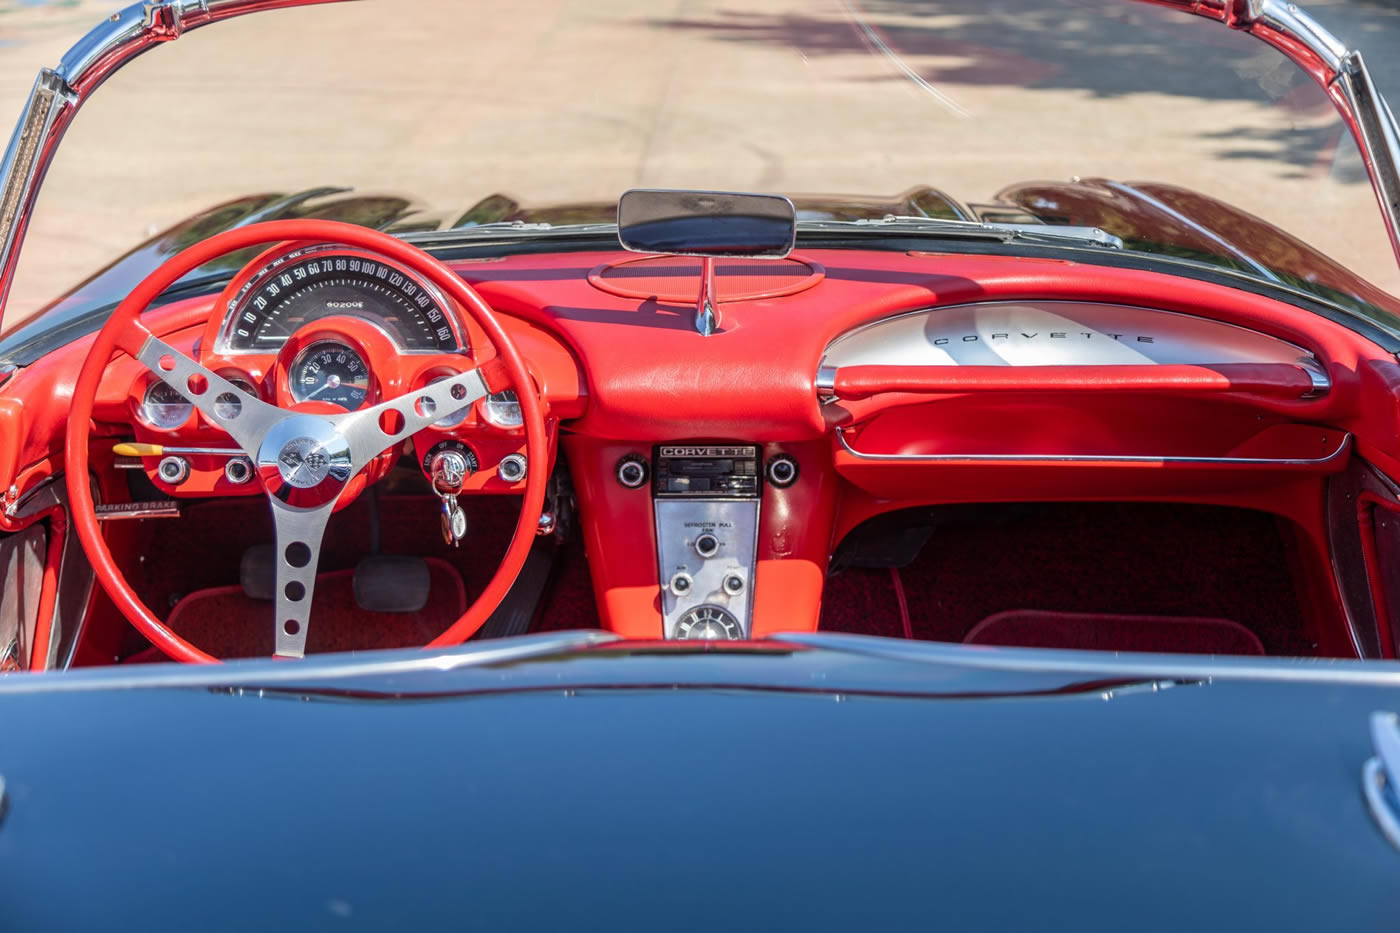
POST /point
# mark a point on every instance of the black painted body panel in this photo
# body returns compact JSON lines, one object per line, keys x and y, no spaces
{"x":786,"y":788}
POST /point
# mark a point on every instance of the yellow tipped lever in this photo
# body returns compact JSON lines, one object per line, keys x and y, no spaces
{"x":133,"y":449}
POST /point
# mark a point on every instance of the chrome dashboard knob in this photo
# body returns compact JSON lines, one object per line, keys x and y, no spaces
{"x":174,"y":470}
{"x":632,"y":471}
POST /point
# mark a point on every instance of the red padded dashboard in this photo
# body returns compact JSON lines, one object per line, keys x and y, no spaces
{"x":621,"y":372}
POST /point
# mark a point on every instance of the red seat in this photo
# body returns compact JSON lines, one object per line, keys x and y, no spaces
{"x":1092,"y":631}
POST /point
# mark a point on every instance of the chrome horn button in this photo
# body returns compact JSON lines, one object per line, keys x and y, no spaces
{"x":304,"y":461}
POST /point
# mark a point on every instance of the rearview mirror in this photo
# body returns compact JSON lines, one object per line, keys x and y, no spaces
{"x":706,"y":223}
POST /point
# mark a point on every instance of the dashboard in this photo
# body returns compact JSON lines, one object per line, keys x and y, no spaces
{"x":714,"y":475}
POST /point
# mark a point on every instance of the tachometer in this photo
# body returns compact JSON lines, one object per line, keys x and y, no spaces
{"x":310,"y":284}
{"x":329,"y":372}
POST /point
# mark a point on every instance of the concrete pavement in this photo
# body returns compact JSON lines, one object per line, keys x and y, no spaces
{"x":552,"y":100}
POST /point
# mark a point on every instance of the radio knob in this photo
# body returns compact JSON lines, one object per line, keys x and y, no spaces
{"x":707,"y":545}
{"x":681,"y":583}
{"x":782,"y":471}
{"x":632,"y":471}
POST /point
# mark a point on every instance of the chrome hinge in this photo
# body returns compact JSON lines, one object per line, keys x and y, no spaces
{"x":1380,"y":776}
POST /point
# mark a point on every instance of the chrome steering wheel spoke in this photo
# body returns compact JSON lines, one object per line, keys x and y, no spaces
{"x":305,"y":461}
{"x":299,"y":534}
{"x":247,"y":422}
{"x":372,"y":431}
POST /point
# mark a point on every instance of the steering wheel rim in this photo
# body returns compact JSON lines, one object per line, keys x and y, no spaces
{"x":123,"y":332}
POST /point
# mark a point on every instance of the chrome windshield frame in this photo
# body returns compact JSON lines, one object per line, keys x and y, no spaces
{"x":1342,"y":74}
{"x":60,"y":92}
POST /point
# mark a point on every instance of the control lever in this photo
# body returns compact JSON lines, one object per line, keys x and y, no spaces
{"x":448,"y":469}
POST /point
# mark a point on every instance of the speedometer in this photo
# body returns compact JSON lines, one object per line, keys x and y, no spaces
{"x":310,"y":284}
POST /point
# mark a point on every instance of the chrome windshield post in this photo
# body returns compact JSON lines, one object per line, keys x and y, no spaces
{"x":1309,"y":45}
{"x":60,"y":92}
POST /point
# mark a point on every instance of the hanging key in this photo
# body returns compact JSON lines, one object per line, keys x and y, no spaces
{"x":449,"y":472}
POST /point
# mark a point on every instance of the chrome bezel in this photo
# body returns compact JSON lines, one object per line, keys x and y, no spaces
{"x":495,"y":420}
{"x":239,"y":302}
{"x":144,"y":412}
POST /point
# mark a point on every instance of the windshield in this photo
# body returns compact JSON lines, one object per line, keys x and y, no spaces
{"x":1158,"y":127}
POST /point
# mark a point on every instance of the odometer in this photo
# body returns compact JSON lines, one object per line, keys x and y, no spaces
{"x":308,"y":285}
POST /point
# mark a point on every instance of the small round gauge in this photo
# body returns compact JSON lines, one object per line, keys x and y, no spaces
{"x":708,"y":623}
{"x":229,"y":404}
{"x":503,"y":409}
{"x":165,"y":408}
{"x":329,"y":372}
{"x":454,"y":419}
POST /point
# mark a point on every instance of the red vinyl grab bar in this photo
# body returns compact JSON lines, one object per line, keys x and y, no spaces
{"x":1277,"y":380}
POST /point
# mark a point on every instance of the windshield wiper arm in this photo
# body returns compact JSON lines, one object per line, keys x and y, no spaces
{"x":970,"y":229}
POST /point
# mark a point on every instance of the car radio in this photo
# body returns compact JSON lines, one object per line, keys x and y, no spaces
{"x":706,"y":499}
{"x":707,"y":471}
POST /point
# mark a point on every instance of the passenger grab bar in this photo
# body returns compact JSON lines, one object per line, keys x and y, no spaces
{"x":1303,"y":379}
{"x":1336,"y":452}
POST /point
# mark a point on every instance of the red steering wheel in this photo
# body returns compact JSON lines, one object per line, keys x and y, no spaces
{"x":325,"y":451}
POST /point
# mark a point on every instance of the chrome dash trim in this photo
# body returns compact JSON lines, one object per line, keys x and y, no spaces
{"x":1321,"y":382}
{"x":1337,"y":454}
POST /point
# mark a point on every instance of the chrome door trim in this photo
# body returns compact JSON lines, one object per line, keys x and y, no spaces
{"x":1337,"y":454}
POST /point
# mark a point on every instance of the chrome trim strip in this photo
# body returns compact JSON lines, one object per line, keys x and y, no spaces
{"x":265,"y":672}
{"x":1200,"y":228}
{"x":1144,"y":665}
{"x":1288,"y":20}
{"x":1377,"y":140}
{"x":1341,"y":450}
{"x":1321,"y":382}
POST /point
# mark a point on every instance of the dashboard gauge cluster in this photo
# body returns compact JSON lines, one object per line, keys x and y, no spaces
{"x":330,"y":325}
{"x":317,"y":282}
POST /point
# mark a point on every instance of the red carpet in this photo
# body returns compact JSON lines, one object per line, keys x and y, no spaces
{"x":1028,"y":628}
{"x":1115,"y":559}
{"x":224,"y":622}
